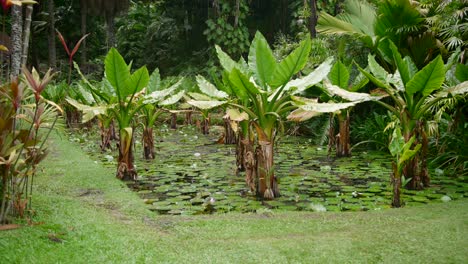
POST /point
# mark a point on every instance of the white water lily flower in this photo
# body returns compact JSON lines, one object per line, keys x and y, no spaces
{"x":318,"y":207}
{"x":197,"y":154}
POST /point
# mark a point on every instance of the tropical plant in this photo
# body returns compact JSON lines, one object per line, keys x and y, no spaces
{"x":401,"y":150}
{"x":397,"y":20}
{"x":154,"y":100}
{"x":26,"y":120}
{"x":71,"y":53}
{"x":340,"y":77}
{"x":264,"y":89}
{"x":413,"y":94}
{"x":126,"y":85}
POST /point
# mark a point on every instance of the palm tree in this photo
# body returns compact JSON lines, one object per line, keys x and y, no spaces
{"x":397,"y":20}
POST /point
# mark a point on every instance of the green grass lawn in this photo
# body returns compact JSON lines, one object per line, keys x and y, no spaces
{"x":85,"y":215}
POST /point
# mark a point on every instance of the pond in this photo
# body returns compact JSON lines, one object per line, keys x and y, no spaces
{"x":192,"y":174}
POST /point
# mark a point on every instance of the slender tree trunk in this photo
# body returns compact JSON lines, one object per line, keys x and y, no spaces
{"x":205,"y":127}
{"x":173,"y":120}
{"x":148,"y":143}
{"x":106,"y":134}
{"x":188,"y":118}
{"x":249,"y":163}
{"x":229,"y":134}
{"x":412,"y":167}
{"x":313,"y":18}
{"x":110,"y":32}
{"x":240,"y":155}
{"x":51,"y":36}
{"x":267,"y":184}
{"x":396,"y":182}
{"x":424,"y":174}
{"x":343,"y":141}
{"x":16,"y":39}
{"x":126,"y":170}
{"x":27,"y":34}
{"x":84,"y":13}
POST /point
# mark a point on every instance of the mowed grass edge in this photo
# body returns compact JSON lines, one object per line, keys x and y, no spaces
{"x":85,"y":215}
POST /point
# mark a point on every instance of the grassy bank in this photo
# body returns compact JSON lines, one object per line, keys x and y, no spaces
{"x":85,"y":215}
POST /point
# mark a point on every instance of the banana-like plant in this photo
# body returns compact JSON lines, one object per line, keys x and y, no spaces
{"x":264,"y":88}
{"x":339,"y":77}
{"x":209,"y":99}
{"x":413,"y":92}
{"x":126,"y":85}
{"x":154,"y":100}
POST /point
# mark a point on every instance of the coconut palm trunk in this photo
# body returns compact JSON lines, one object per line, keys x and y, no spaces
{"x":148,"y":143}
{"x":343,"y":141}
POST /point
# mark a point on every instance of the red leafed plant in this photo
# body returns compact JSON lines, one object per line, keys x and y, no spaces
{"x":72,"y":53}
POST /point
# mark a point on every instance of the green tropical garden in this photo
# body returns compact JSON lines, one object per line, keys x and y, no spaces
{"x":234,"y":131}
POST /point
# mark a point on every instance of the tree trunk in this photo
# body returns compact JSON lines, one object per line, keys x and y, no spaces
{"x":229,"y":134}
{"x":396,"y":182}
{"x":267,"y":184}
{"x":125,"y":170}
{"x":424,"y":174}
{"x":27,"y":34}
{"x":84,"y":13}
{"x":51,"y":36}
{"x":173,"y":120}
{"x":342,"y":141}
{"x":413,"y":167}
{"x":106,"y":135}
{"x":248,"y":163}
{"x":205,"y":127}
{"x":240,"y":161}
{"x":313,"y":18}
{"x":16,"y":39}
{"x":188,"y":118}
{"x":110,"y":32}
{"x":148,"y":143}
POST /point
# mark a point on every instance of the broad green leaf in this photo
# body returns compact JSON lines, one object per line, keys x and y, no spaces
{"x":157,"y":96}
{"x":241,"y":85}
{"x":328,"y":24}
{"x":291,"y":65}
{"x":311,"y":79}
{"x":339,"y":75}
{"x":429,"y":79}
{"x":411,"y":66}
{"x":461,"y":88}
{"x":225,"y":60}
{"x":200,"y":97}
{"x":373,"y":79}
{"x":209,"y":89}
{"x":461,"y":72}
{"x":172,"y":99}
{"x":235,"y":115}
{"x":89,"y":112}
{"x":359,"y":82}
{"x":377,"y":70}
{"x":401,"y":65}
{"x":117,"y":71}
{"x":206,"y":105}
{"x":300,"y":115}
{"x":347,"y":95}
{"x":154,"y":83}
{"x":325,"y":107}
{"x":261,"y":60}
{"x":396,"y":143}
{"x":137,"y":81}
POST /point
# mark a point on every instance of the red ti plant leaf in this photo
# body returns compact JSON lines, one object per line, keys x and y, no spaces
{"x":77,"y":46}
{"x":67,"y":49}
